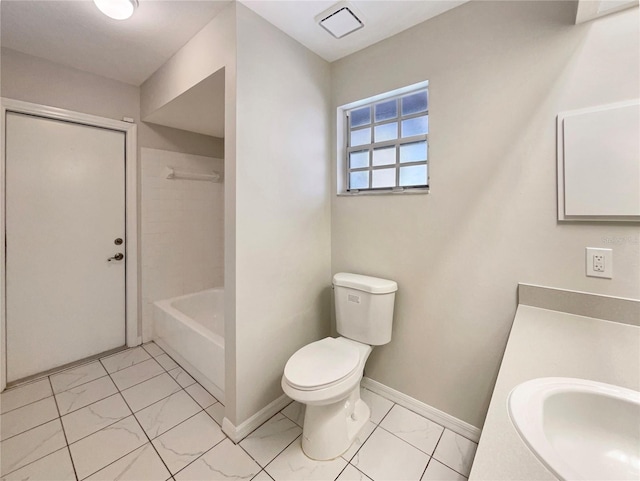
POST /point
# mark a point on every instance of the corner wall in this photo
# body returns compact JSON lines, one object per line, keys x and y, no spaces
{"x":499,"y":72}
{"x":211,"y":49}
{"x":283,"y":237}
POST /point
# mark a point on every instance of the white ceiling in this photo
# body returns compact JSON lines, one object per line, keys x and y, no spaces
{"x":74,"y":33}
{"x":382,"y":19}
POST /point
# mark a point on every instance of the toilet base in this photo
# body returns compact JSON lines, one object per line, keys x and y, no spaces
{"x":330,"y":429}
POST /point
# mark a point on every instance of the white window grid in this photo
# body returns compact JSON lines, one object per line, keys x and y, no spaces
{"x":397,"y":143}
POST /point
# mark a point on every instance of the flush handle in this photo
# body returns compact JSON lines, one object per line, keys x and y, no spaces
{"x":118,"y":257}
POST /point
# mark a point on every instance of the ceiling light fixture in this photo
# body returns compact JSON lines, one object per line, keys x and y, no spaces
{"x":340,"y":20}
{"x":117,"y":9}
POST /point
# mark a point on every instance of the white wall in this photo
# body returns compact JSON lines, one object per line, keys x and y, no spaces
{"x":499,"y":72}
{"x":182,"y":229}
{"x":282,"y":208}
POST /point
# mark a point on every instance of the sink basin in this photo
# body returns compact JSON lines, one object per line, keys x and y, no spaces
{"x":579,"y":429}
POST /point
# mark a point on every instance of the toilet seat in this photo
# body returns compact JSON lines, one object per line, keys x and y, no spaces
{"x":322,"y":364}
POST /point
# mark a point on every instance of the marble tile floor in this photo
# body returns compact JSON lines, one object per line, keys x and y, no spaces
{"x":138,"y":416}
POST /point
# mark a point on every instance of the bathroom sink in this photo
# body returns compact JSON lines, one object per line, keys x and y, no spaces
{"x":579,"y":429}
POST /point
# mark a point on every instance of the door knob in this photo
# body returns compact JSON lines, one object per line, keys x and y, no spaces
{"x":118,"y":257}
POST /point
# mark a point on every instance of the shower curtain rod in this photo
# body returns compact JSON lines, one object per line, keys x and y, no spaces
{"x":172,"y":173}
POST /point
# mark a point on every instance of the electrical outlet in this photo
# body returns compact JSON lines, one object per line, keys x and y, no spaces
{"x":599,"y":262}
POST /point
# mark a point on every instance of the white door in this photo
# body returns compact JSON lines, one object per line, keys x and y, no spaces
{"x":65,"y":208}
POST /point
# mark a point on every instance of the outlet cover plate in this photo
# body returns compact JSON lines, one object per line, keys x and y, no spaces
{"x":592,"y":259}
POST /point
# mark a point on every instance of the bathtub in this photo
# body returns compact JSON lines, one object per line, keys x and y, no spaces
{"x":190,"y":329}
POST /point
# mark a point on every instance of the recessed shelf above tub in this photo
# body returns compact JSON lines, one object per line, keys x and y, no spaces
{"x":599,"y":163}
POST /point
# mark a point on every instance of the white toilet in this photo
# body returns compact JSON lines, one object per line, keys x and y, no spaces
{"x":325,"y":375}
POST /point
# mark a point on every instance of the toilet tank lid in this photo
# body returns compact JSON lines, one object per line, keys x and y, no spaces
{"x":373,"y":285}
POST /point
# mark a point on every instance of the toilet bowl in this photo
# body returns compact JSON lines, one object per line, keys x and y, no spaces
{"x":325,"y":375}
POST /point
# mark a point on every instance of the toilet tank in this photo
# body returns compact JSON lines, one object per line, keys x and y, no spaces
{"x":364,"y":307}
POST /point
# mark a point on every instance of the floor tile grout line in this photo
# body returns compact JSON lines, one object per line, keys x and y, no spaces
{"x":183,"y":387}
{"x":44,"y":377}
{"x":442,"y":462}
{"x":42,"y":457}
{"x":143,"y":432}
{"x":209,"y":414}
{"x":87,"y":405}
{"x":385,"y":414}
{"x":33,"y":427}
{"x":282,"y":411}
{"x":299,"y":436}
{"x":265,"y":472}
{"x":27,"y":404}
{"x":426,"y":467}
{"x":78,"y":385}
{"x":203,"y":454}
{"x":64,"y":433}
{"x":157,"y":401}
{"x":143,"y":344}
{"x":127,"y":367}
{"x":192,"y":397}
{"x":36,"y":460}
{"x":216,"y":401}
{"x":262,"y":424}
{"x":103,"y":427}
{"x":343,"y":468}
{"x":59,"y":417}
{"x":377,"y":425}
{"x":431,"y":455}
{"x":116,"y":460}
{"x":411,"y":444}
{"x":279,"y":453}
{"x":138,"y":383}
{"x":47,"y":376}
{"x":358,"y":450}
{"x":173,"y":427}
{"x":356,"y":468}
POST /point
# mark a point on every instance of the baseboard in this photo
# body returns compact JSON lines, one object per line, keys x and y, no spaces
{"x":450,"y":422}
{"x":238,"y":433}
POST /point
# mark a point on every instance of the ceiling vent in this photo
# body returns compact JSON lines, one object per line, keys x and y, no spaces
{"x":340,"y":20}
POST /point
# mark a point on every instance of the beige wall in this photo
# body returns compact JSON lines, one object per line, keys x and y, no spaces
{"x":207,"y":52}
{"x":283,"y":208}
{"x":40,"y":81}
{"x":499,"y":73}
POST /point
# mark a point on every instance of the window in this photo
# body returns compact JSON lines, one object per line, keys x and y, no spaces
{"x":387,"y":145}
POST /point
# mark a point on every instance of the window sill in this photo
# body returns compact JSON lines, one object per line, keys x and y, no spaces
{"x":384,"y":192}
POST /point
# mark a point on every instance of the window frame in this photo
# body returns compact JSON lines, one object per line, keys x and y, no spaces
{"x":395,"y":143}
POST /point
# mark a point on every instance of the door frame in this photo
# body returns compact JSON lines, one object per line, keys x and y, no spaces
{"x":131,"y":211}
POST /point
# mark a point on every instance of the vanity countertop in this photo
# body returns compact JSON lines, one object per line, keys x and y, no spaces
{"x":546,"y":343}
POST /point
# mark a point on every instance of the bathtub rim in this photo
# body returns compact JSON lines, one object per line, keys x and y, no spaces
{"x":166,"y":305}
